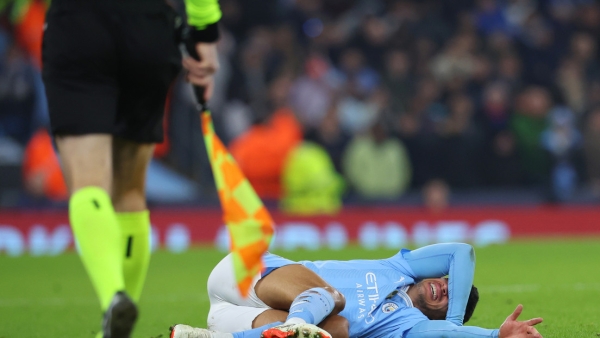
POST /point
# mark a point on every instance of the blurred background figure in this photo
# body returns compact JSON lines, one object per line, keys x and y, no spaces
{"x":261,"y":151}
{"x":42,"y":175}
{"x":562,"y":141}
{"x":528,"y":123}
{"x":467,"y":88}
{"x":311,"y":185}
{"x":436,"y":196}
{"x":377,"y":165}
{"x":592,"y":150}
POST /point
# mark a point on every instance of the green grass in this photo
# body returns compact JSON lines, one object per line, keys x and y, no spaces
{"x":558,"y":280}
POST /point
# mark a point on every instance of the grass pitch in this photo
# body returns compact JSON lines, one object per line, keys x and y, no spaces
{"x":558,"y":280}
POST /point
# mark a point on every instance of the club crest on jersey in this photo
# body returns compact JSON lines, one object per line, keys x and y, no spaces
{"x":389,"y":307}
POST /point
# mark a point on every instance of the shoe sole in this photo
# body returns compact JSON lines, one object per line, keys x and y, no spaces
{"x":274,"y":333}
{"x":186,"y":331}
{"x":122,"y":319}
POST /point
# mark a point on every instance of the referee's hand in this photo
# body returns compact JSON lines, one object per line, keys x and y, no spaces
{"x":201,"y":72}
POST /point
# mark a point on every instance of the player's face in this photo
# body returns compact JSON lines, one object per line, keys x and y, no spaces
{"x":432,"y":297}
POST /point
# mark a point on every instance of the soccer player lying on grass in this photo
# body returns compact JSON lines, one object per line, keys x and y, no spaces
{"x":401,"y":296}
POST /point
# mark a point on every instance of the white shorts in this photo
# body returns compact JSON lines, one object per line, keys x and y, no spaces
{"x":229,"y":311}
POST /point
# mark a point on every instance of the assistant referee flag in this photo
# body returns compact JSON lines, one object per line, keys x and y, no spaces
{"x":249,"y":223}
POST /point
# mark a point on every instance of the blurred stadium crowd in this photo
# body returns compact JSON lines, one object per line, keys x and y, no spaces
{"x":371,"y":99}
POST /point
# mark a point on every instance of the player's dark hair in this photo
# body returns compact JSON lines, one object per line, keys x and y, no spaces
{"x":471,"y":303}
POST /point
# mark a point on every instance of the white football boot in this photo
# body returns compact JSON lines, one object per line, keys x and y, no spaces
{"x":186,"y":331}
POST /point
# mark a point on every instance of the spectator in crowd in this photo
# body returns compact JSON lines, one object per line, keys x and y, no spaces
{"x":456,"y":61}
{"x":310,"y":182}
{"x":588,"y":19}
{"x":261,"y":151}
{"x":495,"y":107}
{"x":461,"y":143}
{"x":527,"y":124}
{"x":22,"y":101}
{"x":563,"y":142}
{"x":584,"y":49}
{"x":502,"y":167}
{"x":41,"y":169}
{"x":592,"y":149}
{"x":436,"y":195}
{"x":466,"y":85}
{"x":419,"y":130}
{"x":570,"y":79}
{"x":398,"y":80}
{"x":331,"y":137}
{"x":490,"y":18}
{"x":377,"y":165}
{"x":577,"y":70}
{"x":371,"y":38}
{"x":313,"y":93}
{"x":509,"y":71}
{"x":502,"y":163}
{"x":356,"y":110}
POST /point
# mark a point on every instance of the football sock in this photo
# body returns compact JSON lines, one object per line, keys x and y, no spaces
{"x":254,"y":333}
{"x":135,"y":234}
{"x":311,"y":306}
{"x":98,"y":237}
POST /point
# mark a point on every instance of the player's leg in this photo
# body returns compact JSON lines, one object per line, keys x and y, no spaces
{"x":252,"y":315}
{"x":226,"y":301}
{"x":289,"y":287}
{"x":332,"y":327}
{"x":80,"y":80}
{"x":242,"y":313}
{"x":149,"y":61}
{"x":87,"y":165}
{"x":337,"y":326}
{"x":299,"y":290}
{"x":130,"y":163}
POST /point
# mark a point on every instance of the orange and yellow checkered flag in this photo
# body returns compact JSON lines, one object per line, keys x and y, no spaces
{"x":250,"y":224}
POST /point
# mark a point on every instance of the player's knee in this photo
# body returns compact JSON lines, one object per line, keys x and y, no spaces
{"x":221,"y":278}
{"x":339,"y":300}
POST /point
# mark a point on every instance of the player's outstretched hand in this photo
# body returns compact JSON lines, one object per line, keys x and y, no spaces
{"x":201,"y":72}
{"x":512,"y":328}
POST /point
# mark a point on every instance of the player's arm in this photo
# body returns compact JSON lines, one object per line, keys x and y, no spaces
{"x":203,"y":16}
{"x":511,"y":328}
{"x":457,"y":260}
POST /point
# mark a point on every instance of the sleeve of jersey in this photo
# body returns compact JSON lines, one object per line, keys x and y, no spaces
{"x":457,"y":260}
{"x":203,"y":16}
{"x":444,"y":328}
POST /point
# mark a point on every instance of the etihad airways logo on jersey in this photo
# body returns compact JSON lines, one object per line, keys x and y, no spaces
{"x":368,"y":295}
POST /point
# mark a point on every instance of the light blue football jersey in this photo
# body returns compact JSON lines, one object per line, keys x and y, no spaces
{"x":365,"y":284}
{"x":375,"y":290}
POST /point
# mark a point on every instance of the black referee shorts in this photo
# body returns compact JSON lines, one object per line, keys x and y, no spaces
{"x":108,"y":66}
